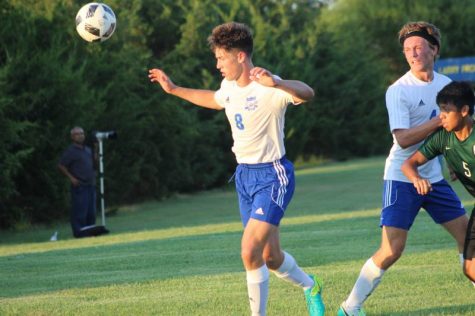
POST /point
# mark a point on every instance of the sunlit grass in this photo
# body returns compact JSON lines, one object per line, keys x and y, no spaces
{"x":181,"y":256}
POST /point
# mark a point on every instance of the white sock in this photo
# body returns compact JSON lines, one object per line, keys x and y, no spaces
{"x":461,"y":262}
{"x":290,"y":271}
{"x":258,"y":290}
{"x":367,"y":281}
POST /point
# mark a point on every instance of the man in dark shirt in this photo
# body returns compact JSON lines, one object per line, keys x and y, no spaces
{"x":77,"y":164}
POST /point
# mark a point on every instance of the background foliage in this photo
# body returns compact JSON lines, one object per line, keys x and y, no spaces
{"x":51,"y":80}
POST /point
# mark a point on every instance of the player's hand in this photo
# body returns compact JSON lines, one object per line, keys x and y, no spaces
{"x":157,"y":75}
{"x":437,"y":120}
{"x":422,"y":186}
{"x":263,"y":77}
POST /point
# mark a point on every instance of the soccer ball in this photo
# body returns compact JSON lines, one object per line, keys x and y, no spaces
{"x":95,"y":22}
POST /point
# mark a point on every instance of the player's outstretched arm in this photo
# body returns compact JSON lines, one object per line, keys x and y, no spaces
{"x":298,"y":89}
{"x":200,"y":97}
{"x":409,"y":168}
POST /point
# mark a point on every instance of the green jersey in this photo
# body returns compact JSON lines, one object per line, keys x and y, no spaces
{"x":460,"y":155}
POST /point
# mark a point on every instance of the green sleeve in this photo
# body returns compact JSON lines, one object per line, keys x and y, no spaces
{"x":434,"y":144}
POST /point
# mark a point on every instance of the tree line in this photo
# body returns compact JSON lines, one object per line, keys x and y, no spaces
{"x":52,"y":80}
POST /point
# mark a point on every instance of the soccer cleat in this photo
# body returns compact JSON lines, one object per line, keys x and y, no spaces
{"x":342,"y":312}
{"x":313,"y":296}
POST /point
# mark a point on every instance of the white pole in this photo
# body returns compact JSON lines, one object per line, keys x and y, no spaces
{"x":101,"y":180}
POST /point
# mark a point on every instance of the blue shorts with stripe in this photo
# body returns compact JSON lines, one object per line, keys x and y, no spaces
{"x":401,"y":204}
{"x":265,"y":190}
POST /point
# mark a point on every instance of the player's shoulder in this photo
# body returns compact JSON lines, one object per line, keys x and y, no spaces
{"x":394,"y":91}
{"x":436,"y":143}
{"x":399,"y":85}
{"x":226,"y":84}
{"x":440,"y":135}
{"x":404,"y":80}
{"x":440,"y":76}
{"x":442,"y":79}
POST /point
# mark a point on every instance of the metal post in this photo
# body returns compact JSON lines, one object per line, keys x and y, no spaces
{"x":101,"y":180}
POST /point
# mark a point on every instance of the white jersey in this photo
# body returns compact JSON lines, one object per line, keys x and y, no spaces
{"x":256,"y":114}
{"x":412,"y":102}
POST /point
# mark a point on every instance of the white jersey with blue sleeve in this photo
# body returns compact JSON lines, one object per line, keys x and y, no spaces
{"x":411,"y":102}
{"x":256,"y":114}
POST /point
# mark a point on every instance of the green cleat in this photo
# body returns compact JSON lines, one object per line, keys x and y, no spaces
{"x":313,"y":297}
{"x":343,"y":312}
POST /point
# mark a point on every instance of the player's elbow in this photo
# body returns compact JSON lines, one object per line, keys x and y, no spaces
{"x":406,"y":168}
{"x":308,"y":94}
{"x":403,"y":143}
{"x":303,"y":99}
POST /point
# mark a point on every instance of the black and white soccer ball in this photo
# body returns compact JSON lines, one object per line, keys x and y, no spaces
{"x":95,"y":22}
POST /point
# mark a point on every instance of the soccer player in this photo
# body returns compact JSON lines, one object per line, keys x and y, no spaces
{"x":255,"y":101}
{"x":456,"y":142}
{"x":412,"y":110}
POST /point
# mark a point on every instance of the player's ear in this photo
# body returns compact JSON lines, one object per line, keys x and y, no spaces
{"x":465,"y":110}
{"x":241,"y":56}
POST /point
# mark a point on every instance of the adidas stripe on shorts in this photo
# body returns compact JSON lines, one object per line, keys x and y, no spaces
{"x":401,"y":204}
{"x":265,"y":190}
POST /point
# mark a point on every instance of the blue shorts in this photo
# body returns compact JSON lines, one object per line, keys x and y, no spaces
{"x":401,"y":204}
{"x":264,"y":190}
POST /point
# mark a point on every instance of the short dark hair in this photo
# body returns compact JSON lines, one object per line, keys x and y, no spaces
{"x":458,"y":93}
{"x":232,"y":35}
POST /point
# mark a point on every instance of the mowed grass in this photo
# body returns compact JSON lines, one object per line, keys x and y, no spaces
{"x":181,"y":256}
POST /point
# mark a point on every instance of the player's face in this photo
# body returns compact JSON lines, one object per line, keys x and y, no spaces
{"x":419,"y":54}
{"x":452,"y":118}
{"x":228,"y":63}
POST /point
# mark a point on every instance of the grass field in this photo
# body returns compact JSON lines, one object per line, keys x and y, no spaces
{"x":181,"y":256}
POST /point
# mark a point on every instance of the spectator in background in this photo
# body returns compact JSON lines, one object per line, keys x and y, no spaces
{"x":77,"y":164}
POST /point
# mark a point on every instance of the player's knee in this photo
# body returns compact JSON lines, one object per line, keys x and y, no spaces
{"x":273,"y":261}
{"x":249,"y":255}
{"x":391,"y":255}
{"x":394,"y":255}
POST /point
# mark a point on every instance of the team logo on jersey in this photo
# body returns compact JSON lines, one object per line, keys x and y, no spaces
{"x":421,"y":103}
{"x":227,"y":100}
{"x":251,"y":103}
